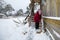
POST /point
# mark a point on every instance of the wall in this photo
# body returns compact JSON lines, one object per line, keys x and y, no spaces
{"x":53,"y":10}
{"x":58,"y":8}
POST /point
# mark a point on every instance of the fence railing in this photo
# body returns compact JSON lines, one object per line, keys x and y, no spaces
{"x":53,"y":25}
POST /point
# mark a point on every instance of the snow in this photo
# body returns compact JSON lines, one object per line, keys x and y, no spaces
{"x":9,"y":30}
{"x":41,"y":36}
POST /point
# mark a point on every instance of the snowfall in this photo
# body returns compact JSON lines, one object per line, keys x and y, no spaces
{"x":14,"y":29}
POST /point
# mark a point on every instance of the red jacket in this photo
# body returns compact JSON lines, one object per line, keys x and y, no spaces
{"x":37,"y":17}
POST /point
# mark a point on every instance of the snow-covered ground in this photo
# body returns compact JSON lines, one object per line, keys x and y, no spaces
{"x":10,"y":30}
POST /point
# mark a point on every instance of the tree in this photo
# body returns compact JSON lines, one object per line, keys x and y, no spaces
{"x":28,"y":10}
{"x":2,"y":4}
{"x":8,"y":8}
{"x":4,"y":7}
{"x":19,"y":12}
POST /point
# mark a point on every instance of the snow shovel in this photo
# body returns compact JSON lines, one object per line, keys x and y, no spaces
{"x":25,"y":20}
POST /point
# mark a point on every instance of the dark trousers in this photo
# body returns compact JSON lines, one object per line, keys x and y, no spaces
{"x":36,"y":25}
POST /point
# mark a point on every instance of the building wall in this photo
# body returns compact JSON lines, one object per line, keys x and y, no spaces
{"x":58,"y":8}
{"x":53,"y":10}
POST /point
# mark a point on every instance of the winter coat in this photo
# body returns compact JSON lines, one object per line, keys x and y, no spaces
{"x":37,"y":17}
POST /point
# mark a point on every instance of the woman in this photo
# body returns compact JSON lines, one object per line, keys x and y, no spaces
{"x":37,"y":19}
